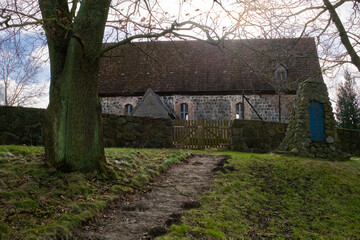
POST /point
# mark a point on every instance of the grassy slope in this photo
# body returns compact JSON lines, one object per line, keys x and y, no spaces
{"x":36,"y":201}
{"x":277,"y":197}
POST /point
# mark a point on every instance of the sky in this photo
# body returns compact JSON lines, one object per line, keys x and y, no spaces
{"x":29,"y":47}
{"x":181,"y":12}
{"x":43,"y":76}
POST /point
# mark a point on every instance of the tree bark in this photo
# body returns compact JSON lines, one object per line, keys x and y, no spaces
{"x":73,"y":135}
{"x":73,"y":130}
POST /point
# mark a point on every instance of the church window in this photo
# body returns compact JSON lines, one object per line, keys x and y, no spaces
{"x":184,"y":111}
{"x":128,"y":109}
{"x":280,"y":73}
{"x":239,"y":110}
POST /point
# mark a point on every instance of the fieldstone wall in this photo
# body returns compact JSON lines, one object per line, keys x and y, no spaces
{"x":262,"y":136}
{"x":298,"y":135}
{"x":268,"y":107}
{"x":257,"y":136}
{"x":349,"y":141}
{"x":138,"y":132}
{"x":25,"y":126}
{"x":21,"y":125}
{"x":214,"y":106}
{"x":116,"y":105}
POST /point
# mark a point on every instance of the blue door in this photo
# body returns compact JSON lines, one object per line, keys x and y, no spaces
{"x":316,"y":122}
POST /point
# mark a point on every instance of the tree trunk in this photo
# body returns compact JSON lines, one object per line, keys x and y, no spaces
{"x":73,"y":132}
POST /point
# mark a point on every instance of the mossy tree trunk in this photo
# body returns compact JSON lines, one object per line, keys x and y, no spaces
{"x":73,"y":132}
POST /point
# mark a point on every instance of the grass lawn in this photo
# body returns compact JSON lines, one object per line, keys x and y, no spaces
{"x":39,"y":202}
{"x":261,"y":196}
{"x":277,"y":197}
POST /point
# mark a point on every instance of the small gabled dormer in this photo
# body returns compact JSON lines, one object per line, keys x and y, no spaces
{"x":280,"y":72}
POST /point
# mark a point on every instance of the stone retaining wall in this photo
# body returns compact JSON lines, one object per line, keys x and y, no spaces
{"x":21,"y":125}
{"x":349,"y":141}
{"x":257,"y":136}
{"x":127,"y":131}
{"x":261,"y":136}
{"x":24,"y":126}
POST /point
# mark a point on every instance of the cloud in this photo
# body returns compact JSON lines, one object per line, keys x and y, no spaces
{"x":29,"y":95}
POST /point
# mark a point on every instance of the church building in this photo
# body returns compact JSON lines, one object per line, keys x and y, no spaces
{"x":250,"y":79}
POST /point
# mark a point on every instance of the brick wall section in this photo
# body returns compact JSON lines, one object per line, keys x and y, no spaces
{"x":256,"y":136}
{"x":214,"y":106}
{"x":349,"y":141}
{"x":24,"y":126}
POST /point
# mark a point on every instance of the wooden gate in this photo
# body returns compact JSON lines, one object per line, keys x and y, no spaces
{"x":201,"y":134}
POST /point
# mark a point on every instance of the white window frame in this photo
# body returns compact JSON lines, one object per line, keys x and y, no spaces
{"x":280,"y":73}
{"x":184,"y":111}
{"x":239,"y":110}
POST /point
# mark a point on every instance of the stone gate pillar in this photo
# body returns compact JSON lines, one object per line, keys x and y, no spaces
{"x":312,"y":131}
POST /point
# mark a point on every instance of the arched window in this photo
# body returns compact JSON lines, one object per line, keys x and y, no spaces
{"x":239,"y":111}
{"x":184,"y":111}
{"x":128,"y":109}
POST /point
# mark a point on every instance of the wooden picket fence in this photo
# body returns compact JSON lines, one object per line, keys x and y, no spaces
{"x":201,"y":134}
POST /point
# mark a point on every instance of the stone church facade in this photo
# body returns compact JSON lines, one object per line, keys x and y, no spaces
{"x":213,"y":106}
{"x":249,"y":79}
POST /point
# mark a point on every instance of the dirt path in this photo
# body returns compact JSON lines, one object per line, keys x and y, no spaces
{"x":148,"y":215}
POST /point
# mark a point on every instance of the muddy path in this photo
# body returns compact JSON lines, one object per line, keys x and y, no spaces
{"x":147,"y":215}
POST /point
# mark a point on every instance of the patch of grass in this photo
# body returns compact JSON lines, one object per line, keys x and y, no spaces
{"x":277,"y":197}
{"x":179,"y":230}
{"x":19,"y":150}
{"x":24,"y":204}
{"x":3,"y":230}
{"x":39,"y":202}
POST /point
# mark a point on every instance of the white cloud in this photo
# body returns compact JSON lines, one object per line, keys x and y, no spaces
{"x":29,"y":95}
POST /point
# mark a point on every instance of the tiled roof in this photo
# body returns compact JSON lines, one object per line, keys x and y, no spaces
{"x":194,"y":67}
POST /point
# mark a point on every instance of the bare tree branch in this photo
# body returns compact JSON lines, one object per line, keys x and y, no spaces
{"x":355,"y":59}
{"x":19,"y":71}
